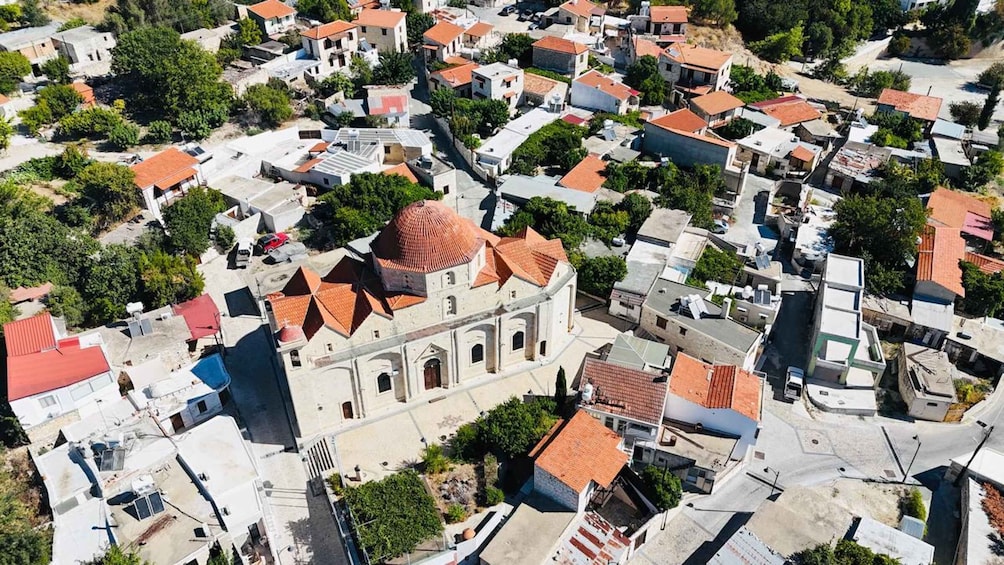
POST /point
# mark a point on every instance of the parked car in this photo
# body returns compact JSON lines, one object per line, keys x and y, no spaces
{"x":271,"y":241}
{"x":793,"y":382}
{"x":525,"y":15}
{"x":720,"y":227}
{"x":508,"y":10}
{"x":288,"y":253}
{"x":617,"y":242}
{"x":245,"y":247}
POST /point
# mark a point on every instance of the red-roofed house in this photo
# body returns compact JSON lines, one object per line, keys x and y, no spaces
{"x":575,"y":458}
{"x":597,"y":91}
{"x":50,"y":375}
{"x":716,"y":108}
{"x":385,"y":30}
{"x":560,"y":55}
{"x":939,"y":276}
{"x":392,"y":104}
{"x":917,"y":106}
{"x":628,"y":400}
{"x":578,"y":13}
{"x":166,"y":177}
{"x":693,"y":71}
{"x":789,"y":110}
{"x":961,"y":210}
{"x":332,"y":44}
{"x":667,"y":22}
{"x":682,"y":137}
{"x":721,"y":398}
{"x":458,"y":79}
{"x":587,"y":176}
{"x":478,"y":35}
{"x":272,"y":16}
{"x":202,"y":317}
{"x":442,"y":41}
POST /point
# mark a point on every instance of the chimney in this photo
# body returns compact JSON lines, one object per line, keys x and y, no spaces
{"x":726,"y":308}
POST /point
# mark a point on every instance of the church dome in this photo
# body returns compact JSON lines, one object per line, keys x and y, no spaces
{"x":426,"y":236}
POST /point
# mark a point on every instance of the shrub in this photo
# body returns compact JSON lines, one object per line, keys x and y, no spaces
{"x":123,"y":135}
{"x":465,"y":445}
{"x":493,"y":496}
{"x":433,"y":459}
{"x":392,"y":516}
{"x":158,"y":132}
{"x":491,"y":467}
{"x":662,"y":487}
{"x":912,"y":504}
{"x":335,"y":482}
{"x":224,"y":237}
{"x":898,"y":45}
{"x":455,"y":513}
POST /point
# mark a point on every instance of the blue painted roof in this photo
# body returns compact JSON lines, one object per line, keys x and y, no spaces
{"x":212,"y":371}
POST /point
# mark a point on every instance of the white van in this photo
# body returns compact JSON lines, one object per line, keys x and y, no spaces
{"x":245,"y":247}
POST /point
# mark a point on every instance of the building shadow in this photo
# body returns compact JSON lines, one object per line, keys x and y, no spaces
{"x":708,"y":549}
{"x":240,"y":303}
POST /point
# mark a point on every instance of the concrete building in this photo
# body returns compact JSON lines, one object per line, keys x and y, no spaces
{"x":385,"y":30}
{"x":744,"y":547}
{"x":952,"y":154}
{"x":578,"y":14}
{"x":560,"y":55}
{"x":280,"y":205}
{"x":519,"y":189}
{"x":494,"y":154}
{"x":682,"y":137}
{"x":596,"y":91}
{"x":886,"y":540}
{"x":84,"y":45}
{"x":679,"y":316}
{"x":694,"y":71}
{"x":778,"y":152}
{"x":35,"y":43}
{"x":978,"y":539}
{"x":442,"y":41}
{"x":498,"y":81}
{"x":333,"y":44}
{"x":855,"y":164}
{"x":543,"y":91}
{"x":166,"y":177}
{"x":435,"y":173}
{"x":926,"y":382}
{"x":716,"y":108}
{"x":181,"y":399}
{"x":420,"y":315}
{"x":845,"y":350}
{"x":272,"y":16}
{"x":458,"y":79}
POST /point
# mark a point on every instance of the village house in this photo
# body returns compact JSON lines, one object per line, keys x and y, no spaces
{"x":478,"y":36}
{"x":442,"y":41}
{"x":385,"y":30}
{"x":165,"y":177}
{"x":788,"y":110}
{"x":272,"y":16}
{"x":855,"y":164}
{"x":692,"y":71}
{"x":333,"y":44}
{"x":421,"y":315}
{"x":435,"y":173}
{"x":84,"y":45}
{"x":779,"y":152}
{"x":587,"y":176}
{"x":716,"y":108}
{"x":498,"y":81}
{"x":543,"y":91}
{"x":560,"y":55}
{"x":391,"y":103}
{"x":682,"y":136}
{"x":35,"y":43}
{"x":495,"y":154}
{"x":458,"y":79}
{"x":599,"y":92}
{"x":962,"y":211}
{"x":916,"y":106}
{"x":939,"y":284}
{"x":628,"y":400}
{"x":667,"y":23}
{"x":926,"y":382}
{"x":578,"y":14}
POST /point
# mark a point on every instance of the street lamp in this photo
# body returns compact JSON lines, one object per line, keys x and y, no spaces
{"x":986,"y":435}
{"x":777,"y":474}
{"x":912,"y":459}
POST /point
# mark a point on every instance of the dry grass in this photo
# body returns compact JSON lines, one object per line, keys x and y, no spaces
{"x":24,"y":485}
{"x":62,"y":11}
{"x":880,"y":502}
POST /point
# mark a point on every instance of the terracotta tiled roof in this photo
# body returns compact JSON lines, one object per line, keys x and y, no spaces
{"x":916,"y":105}
{"x":24,"y":294}
{"x":308,"y":164}
{"x":599,"y":81}
{"x":29,"y":335}
{"x":954,"y":209}
{"x":402,"y":170}
{"x":572,"y":118}
{"x":581,"y":8}
{"x":988,"y":265}
{"x":580,"y":451}
{"x":587,"y":176}
{"x":201,"y":315}
{"x":938,"y":257}
{"x":803,"y":154}
{"x":85,"y":92}
{"x":426,"y":236}
{"x":443,"y":33}
{"x":164,"y":165}
{"x":644,"y":47}
{"x":328,"y":29}
{"x":536,"y":84}
{"x":717,"y":102}
{"x":380,"y":18}
{"x":707,"y":138}
{"x":790,"y":110}
{"x":698,"y":57}
{"x":271,"y":9}
{"x":456,"y":60}
{"x":457,"y":76}
{"x":560,"y":45}
{"x":479,"y":29}
{"x":682,"y":120}
{"x":4,"y":99}
{"x":639,"y":395}
{"x":716,"y":386}
{"x":319,"y":147}
{"x":668,"y":14}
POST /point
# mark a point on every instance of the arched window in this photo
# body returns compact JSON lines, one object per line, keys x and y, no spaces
{"x":450,"y":305}
{"x":449,"y":279}
{"x":383,"y":382}
{"x":517,"y":341}
{"x":477,"y":353}
{"x":294,"y":358}
{"x":347,"y":410}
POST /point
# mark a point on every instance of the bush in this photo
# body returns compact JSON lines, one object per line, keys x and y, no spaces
{"x":159,"y":131}
{"x":455,"y":513}
{"x":717,"y":265}
{"x":549,"y":74}
{"x":514,"y":427}
{"x":123,"y":135}
{"x":433,"y":459}
{"x":336,"y":485}
{"x":465,"y":445}
{"x":898,"y":45}
{"x":224,"y":237}
{"x":970,"y":392}
{"x":491,"y":468}
{"x":597,"y":275}
{"x":912,"y":504}
{"x":493,"y":496}
{"x":662,"y":487}
{"x":392,"y":516}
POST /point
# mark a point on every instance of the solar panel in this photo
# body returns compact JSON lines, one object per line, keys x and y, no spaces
{"x":112,"y":460}
{"x":762,"y":261}
{"x":157,"y":503}
{"x":143,"y":508}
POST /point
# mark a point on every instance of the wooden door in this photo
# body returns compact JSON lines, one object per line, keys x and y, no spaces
{"x":347,"y":410}
{"x":177,"y":423}
{"x":433,"y":378}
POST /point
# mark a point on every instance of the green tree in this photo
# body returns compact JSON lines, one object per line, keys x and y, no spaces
{"x":966,"y":113}
{"x":60,"y":99}
{"x":644,"y":75}
{"x":607,"y":222}
{"x":512,"y":428}
{"x":551,"y":218}
{"x":951,"y":42}
{"x":188,"y":220}
{"x":719,"y":265}
{"x":32,"y":13}
{"x":10,"y":13}
{"x":123,"y":135}
{"x":13,"y":68}
{"x":181,"y":15}
{"x":325,"y":10}
{"x":58,"y":70}
{"x":417,"y":24}
{"x":248,"y":32}
{"x":158,"y":132}
{"x":267,"y":105}
{"x":221,"y":556}
{"x":638,"y":209}
{"x":6,"y":133}
{"x":898,"y":45}
{"x":110,"y":281}
{"x":818,"y":39}
{"x":993,"y":76}
{"x":224,"y":237}
{"x":780,"y":47}
{"x":517,"y":46}
{"x":442,"y":101}
{"x":560,"y":388}
{"x":395,"y":68}
{"x":73,"y":23}
{"x":117,"y":556}
{"x":719,"y":12}
{"x":662,"y":487}
{"x":65,"y":302}
{"x":168,"y":279}
{"x":987,"y":112}
{"x":984,"y":292}
{"x":631,"y":175}
{"x":111,"y":190}
{"x":558,"y":144}
{"x":597,"y":275}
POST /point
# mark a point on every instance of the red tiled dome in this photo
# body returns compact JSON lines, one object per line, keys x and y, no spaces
{"x":426,"y":236}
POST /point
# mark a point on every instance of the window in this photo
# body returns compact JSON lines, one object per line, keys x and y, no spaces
{"x":329,"y":347}
{"x":609,"y":422}
{"x":660,"y":322}
{"x":512,"y":294}
{"x":47,"y":401}
{"x":383,"y":382}
{"x":383,"y":32}
{"x":449,"y":279}
{"x":446,"y":189}
{"x":477,"y":353}
{"x":376,"y":334}
{"x":451,"y":305}
{"x":621,"y":425}
{"x":517,"y":341}
{"x":363,"y":29}
{"x":201,"y":407}
{"x":932,"y":404}
{"x":294,"y":358}
{"x":683,"y":331}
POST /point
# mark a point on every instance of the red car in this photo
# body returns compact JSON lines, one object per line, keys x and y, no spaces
{"x":272,"y":241}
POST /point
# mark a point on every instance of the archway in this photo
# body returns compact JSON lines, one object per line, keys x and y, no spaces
{"x":433,"y":374}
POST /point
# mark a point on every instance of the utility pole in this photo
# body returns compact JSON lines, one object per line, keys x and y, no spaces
{"x":986,"y":436}
{"x":912,"y":459}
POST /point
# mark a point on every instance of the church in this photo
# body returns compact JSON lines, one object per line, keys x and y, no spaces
{"x":437,"y":303}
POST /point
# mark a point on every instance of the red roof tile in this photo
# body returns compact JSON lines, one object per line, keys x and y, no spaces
{"x":479,"y":29}
{"x":388,"y":104}
{"x":683,"y":120}
{"x":955,"y":209}
{"x":85,"y":92}
{"x":639,"y":395}
{"x":426,"y":236}
{"x":560,"y":45}
{"x":988,"y":265}
{"x":201,"y":316}
{"x":716,"y":386}
{"x":581,"y":8}
{"x":456,"y":76}
{"x":668,"y":14}
{"x":789,"y":110}
{"x":587,"y":176}
{"x":700,"y":57}
{"x":803,"y":154}
{"x":402,"y":170}
{"x":380,"y":18}
{"x":443,"y":33}
{"x":307,"y":165}
{"x":271,"y":9}
{"x":580,"y":451}
{"x":938,"y":257}
{"x":916,"y":105}
{"x":618,"y":90}
{"x":24,"y":294}
{"x":717,"y":102}
{"x":163,"y":166}
{"x":328,"y":29}
{"x":29,"y":335}
{"x":644,"y":47}
{"x":572,"y":118}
